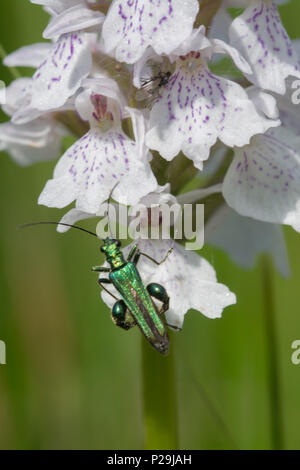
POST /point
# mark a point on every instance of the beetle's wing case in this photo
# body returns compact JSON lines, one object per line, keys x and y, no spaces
{"x":129,"y":284}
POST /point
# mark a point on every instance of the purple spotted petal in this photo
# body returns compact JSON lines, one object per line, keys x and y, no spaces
{"x":28,"y":56}
{"x":92,"y":166}
{"x":263,"y":180}
{"x":133,"y":25}
{"x":60,"y":74}
{"x":77,"y":18}
{"x":261,"y":38}
{"x":195,"y":109}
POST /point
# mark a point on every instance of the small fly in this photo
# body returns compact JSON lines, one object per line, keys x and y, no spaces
{"x":152,"y":86}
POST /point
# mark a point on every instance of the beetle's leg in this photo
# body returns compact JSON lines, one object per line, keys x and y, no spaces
{"x":121,"y":317}
{"x":132,"y":252}
{"x":101,"y":269}
{"x":119,"y":314}
{"x":177,"y":328}
{"x":158,"y":263}
{"x":136,"y":257}
{"x":159,"y":292}
{"x":135,"y":254}
{"x":104,"y":280}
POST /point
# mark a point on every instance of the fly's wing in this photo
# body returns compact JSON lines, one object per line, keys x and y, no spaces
{"x":142,"y":94}
{"x":136,"y":297}
{"x":148,"y":89}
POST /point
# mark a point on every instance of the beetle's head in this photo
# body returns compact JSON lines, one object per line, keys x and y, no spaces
{"x":110,"y":244}
{"x":111,"y":249}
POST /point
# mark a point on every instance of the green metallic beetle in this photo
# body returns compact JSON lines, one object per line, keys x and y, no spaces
{"x":136,"y":306}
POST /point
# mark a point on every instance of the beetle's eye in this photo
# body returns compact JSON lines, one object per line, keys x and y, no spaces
{"x":118,"y":243}
{"x":102,"y":248}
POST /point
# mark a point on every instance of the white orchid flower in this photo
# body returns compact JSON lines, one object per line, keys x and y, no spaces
{"x":197,"y":107}
{"x":261,"y":38}
{"x":189,"y":280}
{"x":102,"y":157}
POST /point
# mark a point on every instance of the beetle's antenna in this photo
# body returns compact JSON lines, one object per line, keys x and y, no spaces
{"x":108,"y":204}
{"x":58,"y":223}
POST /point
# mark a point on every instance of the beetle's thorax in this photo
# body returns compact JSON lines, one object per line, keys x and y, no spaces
{"x":113,"y":254}
{"x":115,"y":259}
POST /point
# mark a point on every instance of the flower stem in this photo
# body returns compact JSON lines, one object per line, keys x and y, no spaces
{"x":159,"y":394}
{"x":179,"y":172}
{"x":272,"y":357}
{"x":208,"y":9}
{"x":73,"y":123}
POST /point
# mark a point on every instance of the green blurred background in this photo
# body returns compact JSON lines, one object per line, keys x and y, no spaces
{"x":73,"y":380}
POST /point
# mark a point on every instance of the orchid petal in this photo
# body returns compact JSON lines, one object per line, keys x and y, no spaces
{"x":220,"y":25}
{"x":101,"y":85}
{"x":264,"y":102}
{"x":28,"y":56}
{"x":198,"y":194}
{"x":245,"y":3}
{"x":220,"y":47}
{"x":263,"y":181}
{"x":159,"y":196}
{"x":195,"y":109}
{"x":61,"y":73}
{"x":74,"y":215}
{"x":289,"y":106}
{"x":139,"y":126}
{"x":296,"y":46}
{"x":244,"y":239}
{"x":30,"y":143}
{"x":57,"y":6}
{"x":90,"y":168}
{"x":196,"y":41}
{"x":130,"y":27}
{"x":76,"y":18}
{"x":261,"y":38}
{"x":15,"y":95}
